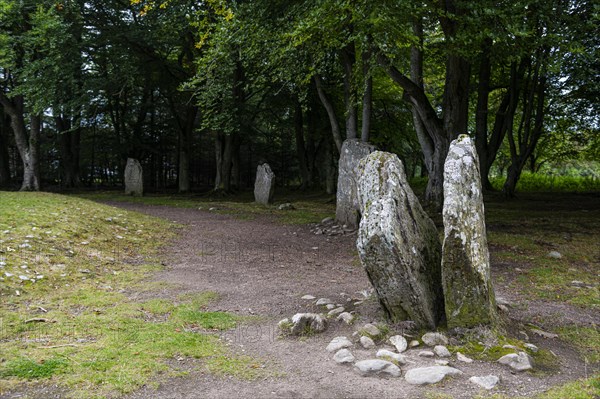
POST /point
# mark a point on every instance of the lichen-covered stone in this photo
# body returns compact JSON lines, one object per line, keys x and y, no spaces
{"x":264,"y":185}
{"x":468,"y":291}
{"x":347,"y":211}
{"x":398,"y":243}
{"x":134,"y":179}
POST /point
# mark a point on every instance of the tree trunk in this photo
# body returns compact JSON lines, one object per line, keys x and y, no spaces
{"x":69,"y":144}
{"x":219,"y":146}
{"x":348,"y":58}
{"x":4,"y":157}
{"x":481,"y":113}
{"x":300,"y":146}
{"x":27,"y":144}
{"x":328,"y":105}
{"x":186,"y":130}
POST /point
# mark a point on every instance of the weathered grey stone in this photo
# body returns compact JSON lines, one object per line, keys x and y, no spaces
{"x":134,"y":178}
{"x":398,"y":243}
{"x":378,"y":367}
{"x":441,"y":351}
{"x":370,"y":330}
{"x":442,"y":362}
{"x":517,"y":361}
{"x":308,"y":297}
{"x":303,"y":323}
{"x":286,"y":207}
{"x":554,"y":255}
{"x":336,"y":311}
{"x":338,"y":343}
{"x":330,"y":306}
{"x":429,"y":375}
{"x":367,"y":342}
{"x":426,"y":354}
{"x":391,"y":356}
{"x":468,"y":291}
{"x":399,"y":342}
{"x":531,"y":347}
{"x":323,"y":301}
{"x":343,"y":356}
{"x":462,"y":358}
{"x":433,"y":339}
{"x":413,"y":344}
{"x":486,"y":382}
{"x":347,"y":210}
{"x":264,"y":185}
{"x":346,"y":317}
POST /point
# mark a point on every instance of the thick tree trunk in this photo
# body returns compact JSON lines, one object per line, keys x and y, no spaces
{"x":328,"y":105}
{"x":4,"y":157}
{"x":300,"y":146}
{"x":348,"y":59}
{"x":27,"y":144}
{"x":69,"y":144}
{"x":481,"y":113}
{"x":186,"y":130}
{"x":219,"y":146}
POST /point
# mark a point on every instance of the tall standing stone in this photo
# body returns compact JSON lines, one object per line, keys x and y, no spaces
{"x":468,"y":291}
{"x":347,"y":209}
{"x":398,"y":243}
{"x":264,"y":185}
{"x":134,"y":179}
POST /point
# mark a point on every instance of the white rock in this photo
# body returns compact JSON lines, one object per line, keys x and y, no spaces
{"x":308,"y":297}
{"x":330,"y":306}
{"x":517,"y":361}
{"x":531,"y":347}
{"x":377,"y":367}
{"x":487,"y":382}
{"x":510,"y":347}
{"x":371,"y":330}
{"x":336,"y":311}
{"x":399,"y":342}
{"x":429,"y":375}
{"x":462,"y":358}
{"x":323,"y":301}
{"x":264,"y":185}
{"x":338,"y":343}
{"x":441,"y":362}
{"x":346,"y":317}
{"x":434,"y":338}
{"x":308,"y":322}
{"x":441,"y":351}
{"x":367,"y":342}
{"x":426,"y":354}
{"x":343,"y":356}
{"x":392,"y":356}
{"x":554,"y":255}
{"x":413,"y":344}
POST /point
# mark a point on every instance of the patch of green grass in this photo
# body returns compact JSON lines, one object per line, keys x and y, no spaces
{"x":581,"y":389}
{"x":538,"y":182}
{"x":94,"y":340}
{"x":30,"y":370}
{"x":586,"y":339}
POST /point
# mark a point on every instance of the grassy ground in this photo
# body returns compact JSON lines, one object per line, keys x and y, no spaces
{"x":66,"y":267}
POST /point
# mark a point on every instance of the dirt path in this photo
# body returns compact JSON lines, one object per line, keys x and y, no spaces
{"x":263,"y":268}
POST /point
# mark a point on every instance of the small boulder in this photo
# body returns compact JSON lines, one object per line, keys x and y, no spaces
{"x":429,"y":375}
{"x":367,"y":342}
{"x":343,"y":356}
{"x":286,"y":207}
{"x":434,"y":338}
{"x":338,"y":343}
{"x":308,"y":297}
{"x":426,"y":354}
{"x":413,"y":344}
{"x":462,"y":358}
{"x":441,"y":351}
{"x":486,"y":382}
{"x":323,"y":301}
{"x":391,"y":356}
{"x":346,"y":317}
{"x":442,"y":362}
{"x":531,"y":347}
{"x":370,"y":330}
{"x":517,"y":361}
{"x":554,"y":255}
{"x":306,"y":323}
{"x":336,"y":311}
{"x":399,"y":342}
{"x":377,"y":367}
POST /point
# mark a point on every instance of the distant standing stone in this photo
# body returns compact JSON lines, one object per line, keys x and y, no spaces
{"x":517,"y":361}
{"x":468,"y":290}
{"x":433,"y":338}
{"x":486,"y":382}
{"x":429,"y":375}
{"x":347,"y":209}
{"x":399,"y":342}
{"x":367,"y":342}
{"x":338,"y":343}
{"x":378,"y":367}
{"x":134,"y":178}
{"x":343,"y":356}
{"x":264,"y":185}
{"x":398,"y":243}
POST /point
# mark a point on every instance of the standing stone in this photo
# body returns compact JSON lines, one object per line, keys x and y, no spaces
{"x":264,"y":186}
{"x":347,"y":209}
{"x":398,"y":243}
{"x":468,"y":291}
{"x":134,"y":179}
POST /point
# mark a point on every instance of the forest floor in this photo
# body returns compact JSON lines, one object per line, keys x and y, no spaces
{"x":258,"y":262}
